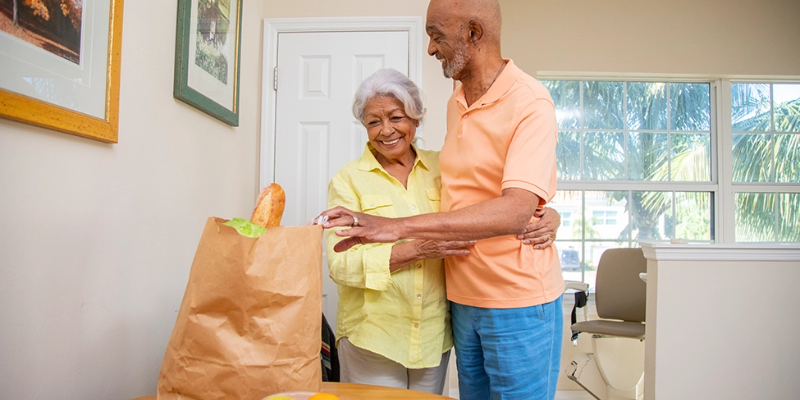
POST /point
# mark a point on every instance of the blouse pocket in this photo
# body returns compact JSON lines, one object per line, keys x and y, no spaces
{"x":377,"y":204}
{"x":434,"y":198}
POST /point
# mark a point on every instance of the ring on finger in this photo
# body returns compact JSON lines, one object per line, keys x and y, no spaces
{"x":355,"y":221}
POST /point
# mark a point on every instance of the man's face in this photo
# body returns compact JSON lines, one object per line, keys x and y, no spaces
{"x":446,"y":42}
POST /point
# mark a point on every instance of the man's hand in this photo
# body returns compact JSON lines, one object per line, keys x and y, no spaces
{"x":542,"y":232}
{"x":364,"y":229}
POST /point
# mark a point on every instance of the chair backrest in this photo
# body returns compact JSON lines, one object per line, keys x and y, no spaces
{"x":619,"y":292}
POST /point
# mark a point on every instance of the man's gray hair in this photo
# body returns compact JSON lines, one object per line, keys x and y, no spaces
{"x":389,"y":82}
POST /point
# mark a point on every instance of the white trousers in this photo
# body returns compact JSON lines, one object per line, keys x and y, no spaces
{"x":357,"y":365}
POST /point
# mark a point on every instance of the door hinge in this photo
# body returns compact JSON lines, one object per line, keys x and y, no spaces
{"x":275,"y":79}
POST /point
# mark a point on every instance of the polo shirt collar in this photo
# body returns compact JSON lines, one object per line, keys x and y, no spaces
{"x":368,"y":161}
{"x":500,"y":87}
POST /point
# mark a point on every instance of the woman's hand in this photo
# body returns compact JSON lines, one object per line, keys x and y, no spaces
{"x":542,"y":232}
{"x":410,"y":252}
{"x":442,"y":248}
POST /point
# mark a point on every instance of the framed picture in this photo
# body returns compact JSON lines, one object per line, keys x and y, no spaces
{"x":207,"y":56}
{"x":61,"y":65}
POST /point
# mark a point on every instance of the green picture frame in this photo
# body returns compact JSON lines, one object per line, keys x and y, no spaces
{"x":207,"y":57}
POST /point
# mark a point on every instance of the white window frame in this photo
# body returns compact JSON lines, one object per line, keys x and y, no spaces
{"x":729,"y":186}
{"x":721,"y":184}
{"x":711,"y":186}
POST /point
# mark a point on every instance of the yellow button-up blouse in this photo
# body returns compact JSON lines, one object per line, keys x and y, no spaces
{"x":404,"y":315}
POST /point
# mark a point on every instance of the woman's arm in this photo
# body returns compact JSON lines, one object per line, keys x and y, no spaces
{"x":363,"y":266}
{"x":408,"y":252}
{"x":542,"y":231}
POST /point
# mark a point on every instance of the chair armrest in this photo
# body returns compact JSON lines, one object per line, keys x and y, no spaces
{"x":575,"y":285}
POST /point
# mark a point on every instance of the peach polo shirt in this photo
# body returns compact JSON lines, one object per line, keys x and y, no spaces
{"x":506,"y":139}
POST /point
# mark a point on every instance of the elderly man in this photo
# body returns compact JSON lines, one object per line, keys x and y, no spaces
{"x":498,"y":168}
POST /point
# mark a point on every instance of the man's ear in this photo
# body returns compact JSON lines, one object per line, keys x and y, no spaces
{"x":474,"y":31}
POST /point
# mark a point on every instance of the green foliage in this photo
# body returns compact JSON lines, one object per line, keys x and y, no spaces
{"x":762,"y":152}
{"x":211,"y":60}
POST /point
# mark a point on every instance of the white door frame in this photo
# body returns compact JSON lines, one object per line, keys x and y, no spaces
{"x":274,"y":26}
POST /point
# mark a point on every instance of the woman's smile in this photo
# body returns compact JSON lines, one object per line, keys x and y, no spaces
{"x":390,"y":130}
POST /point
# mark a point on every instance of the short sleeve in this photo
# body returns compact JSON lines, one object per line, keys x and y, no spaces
{"x":531,"y":160}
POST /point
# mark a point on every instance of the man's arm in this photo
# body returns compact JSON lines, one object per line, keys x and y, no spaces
{"x":508,"y":214}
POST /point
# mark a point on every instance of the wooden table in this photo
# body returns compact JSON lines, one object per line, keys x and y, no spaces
{"x":355,"y":391}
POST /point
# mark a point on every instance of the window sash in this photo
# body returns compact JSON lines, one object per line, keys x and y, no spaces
{"x":721,"y":184}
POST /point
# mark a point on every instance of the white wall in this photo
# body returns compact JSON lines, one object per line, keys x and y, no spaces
{"x":718,"y":323}
{"x":696,"y":37}
{"x":98,"y":238}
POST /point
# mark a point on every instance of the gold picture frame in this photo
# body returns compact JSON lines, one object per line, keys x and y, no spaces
{"x":22,"y":108}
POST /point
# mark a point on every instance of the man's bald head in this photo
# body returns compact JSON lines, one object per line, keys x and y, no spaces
{"x":461,"y":13}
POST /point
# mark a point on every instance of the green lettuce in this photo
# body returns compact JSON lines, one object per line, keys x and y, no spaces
{"x":245,"y":227}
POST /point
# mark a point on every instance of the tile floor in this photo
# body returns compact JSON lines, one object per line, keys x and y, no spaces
{"x":560,"y":395}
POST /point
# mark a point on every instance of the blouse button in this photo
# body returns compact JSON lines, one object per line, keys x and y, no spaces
{"x":416,"y":325}
{"x":419,"y":296}
{"x":413,"y":207}
{"x":372,"y":204}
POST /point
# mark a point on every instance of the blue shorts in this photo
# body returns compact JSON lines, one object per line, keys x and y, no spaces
{"x":508,"y":354}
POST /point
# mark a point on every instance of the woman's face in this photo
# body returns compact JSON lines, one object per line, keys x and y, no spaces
{"x":389,"y":129}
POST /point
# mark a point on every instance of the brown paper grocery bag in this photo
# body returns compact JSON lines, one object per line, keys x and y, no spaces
{"x":250,"y":321}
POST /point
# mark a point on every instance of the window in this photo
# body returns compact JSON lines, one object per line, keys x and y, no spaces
{"x":765,"y":125}
{"x":648,"y":160}
{"x":634,"y":163}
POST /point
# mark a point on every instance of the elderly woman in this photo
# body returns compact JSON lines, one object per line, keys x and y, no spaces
{"x":393,"y":322}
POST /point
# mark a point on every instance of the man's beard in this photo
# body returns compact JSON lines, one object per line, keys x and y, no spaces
{"x":454,"y":67}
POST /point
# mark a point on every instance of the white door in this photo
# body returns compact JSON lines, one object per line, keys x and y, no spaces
{"x":315,"y":131}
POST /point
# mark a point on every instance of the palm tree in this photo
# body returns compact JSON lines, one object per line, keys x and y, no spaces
{"x":765,"y":155}
{"x":623,"y":141}
{"x":585,"y":231}
{"x":611,"y":152}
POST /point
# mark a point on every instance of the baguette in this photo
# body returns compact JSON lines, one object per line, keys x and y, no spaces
{"x":269,"y":207}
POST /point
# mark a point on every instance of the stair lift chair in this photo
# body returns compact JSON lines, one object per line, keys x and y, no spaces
{"x":615,"y":367}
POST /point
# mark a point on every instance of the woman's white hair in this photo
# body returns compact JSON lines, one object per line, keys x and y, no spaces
{"x":389,"y":82}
